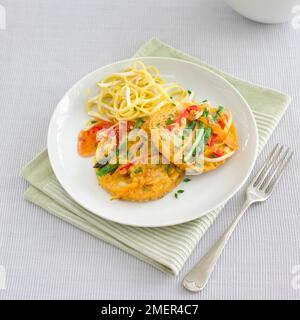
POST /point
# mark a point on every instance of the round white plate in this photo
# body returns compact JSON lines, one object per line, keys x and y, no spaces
{"x":204,"y":193}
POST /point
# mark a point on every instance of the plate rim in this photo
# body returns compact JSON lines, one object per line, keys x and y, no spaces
{"x":178,"y":221}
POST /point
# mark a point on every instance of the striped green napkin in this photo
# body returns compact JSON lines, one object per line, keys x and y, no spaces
{"x":165,"y":248}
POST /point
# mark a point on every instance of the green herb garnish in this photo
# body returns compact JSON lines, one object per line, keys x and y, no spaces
{"x":207,"y":134}
{"x":198,"y":139}
{"x":215,"y":117}
{"x":93,"y":121}
{"x":186,"y":179}
{"x":100,"y":164}
{"x":138,"y":170}
{"x":204,"y":101}
{"x":205,"y":113}
{"x":169,"y":121}
{"x":168,"y":166}
{"x":189,"y":91}
{"x":139,"y":123}
{"x":178,"y":192}
{"x":191,"y":125}
{"x":220,"y":109}
{"x":135,"y":109}
{"x":109,"y":168}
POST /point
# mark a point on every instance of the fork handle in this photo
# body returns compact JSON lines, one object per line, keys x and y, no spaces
{"x":198,"y":277}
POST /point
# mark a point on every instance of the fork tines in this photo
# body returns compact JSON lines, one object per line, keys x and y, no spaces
{"x":269,"y":175}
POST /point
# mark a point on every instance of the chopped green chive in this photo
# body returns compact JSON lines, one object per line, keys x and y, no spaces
{"x":203,"y":101}
{"x":186,"y":179}
{"x":169,"y":121}
{"x":138,"y":170}
{"x":109,"y":168}
{"x":138,"y":123}
{"x":215,"y":117}
{"x":93,"y":121}
{"x":205,"y":113}
{"x":135,"y":109}
{"x":178,"y":192}
{"x":189,"y":91}
{"x":221,"y":109}
{"x":168,"y":168}
{"x":191,"y":125}
{"x":207,"y":134}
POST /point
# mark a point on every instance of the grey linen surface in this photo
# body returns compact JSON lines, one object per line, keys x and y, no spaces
{"x":47,"y":46}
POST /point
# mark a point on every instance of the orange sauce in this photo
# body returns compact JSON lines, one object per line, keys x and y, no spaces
{"x":87,"y":143}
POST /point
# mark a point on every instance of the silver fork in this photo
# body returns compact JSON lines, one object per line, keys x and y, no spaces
{"x":259,"y":189}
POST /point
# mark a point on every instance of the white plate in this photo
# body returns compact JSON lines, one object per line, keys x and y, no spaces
{"x":202,"y":194}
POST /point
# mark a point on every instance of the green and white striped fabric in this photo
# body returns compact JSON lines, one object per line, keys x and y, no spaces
{"x":165,"y":248}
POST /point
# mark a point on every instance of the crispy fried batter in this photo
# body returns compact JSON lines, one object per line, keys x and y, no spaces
{"x":143,"y":182}
{"x":159,"y":121}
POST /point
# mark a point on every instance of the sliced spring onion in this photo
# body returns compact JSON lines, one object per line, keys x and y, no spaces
{"x":221,"y":109}
{"x":138,"y":123}
{"x":215,"y":117}
{"x":199,"y":136}
{"x":205,"y":113}
{"x":109,"y":168}
{"x":138,"y":170}
{"x":168,"y":168}
{"x":100,"y":164}
{"x":169,"y":121}
{"x":191,"y":125}
{"x":207,"y":134}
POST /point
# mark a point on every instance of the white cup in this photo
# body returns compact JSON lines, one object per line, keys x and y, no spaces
{"x":265,"y":11}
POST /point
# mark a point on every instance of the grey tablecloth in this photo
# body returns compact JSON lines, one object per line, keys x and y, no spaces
{"x":46,"y":47}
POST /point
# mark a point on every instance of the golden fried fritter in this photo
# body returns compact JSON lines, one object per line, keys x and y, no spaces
{"x":142,"y":182}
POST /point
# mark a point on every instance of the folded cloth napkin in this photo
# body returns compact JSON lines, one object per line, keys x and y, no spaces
{"x":165,"y":248}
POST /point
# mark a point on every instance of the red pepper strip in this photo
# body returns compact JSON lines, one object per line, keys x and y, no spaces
{"x":185,"y":113}
{"x":213,"y":140}
{"x":219,"y":153}
{"x":125,"y":167}
{"x":221,"y":123}
{"x":193,"y":107}
{"x":87,"y":143}
{"x":170,"y":127}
